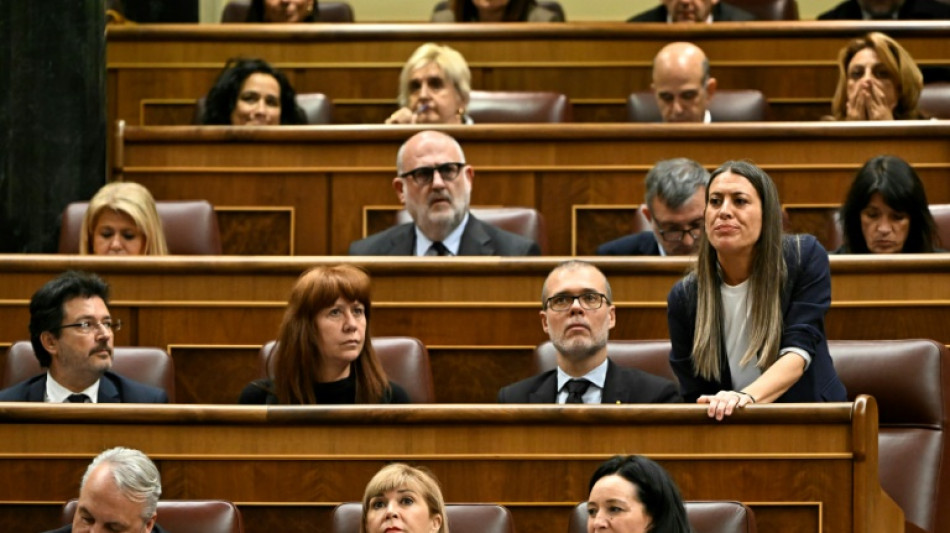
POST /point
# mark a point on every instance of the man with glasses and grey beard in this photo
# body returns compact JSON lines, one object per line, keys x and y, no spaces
{"x":434,"y":182}
{"x":72,"y":334}
{"x":577,"y":313}
{"x":674,"y":205}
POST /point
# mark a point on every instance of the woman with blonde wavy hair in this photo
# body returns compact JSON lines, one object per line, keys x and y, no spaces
{"x":122,"y":220}
{"x":403,"y":498}
{"x":748,"y":324}
{"x":434,"y":87}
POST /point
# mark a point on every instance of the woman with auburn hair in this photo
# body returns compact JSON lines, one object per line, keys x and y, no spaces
{"x":495,"y":11}
{"x":403,"y":498}
{"x":434,"y":87}
{"x":122,"y":220}
{"x":633,"y":494}
{"x":748,"y":324}
{"x":878,"y":80}
{"x":324,"y":354}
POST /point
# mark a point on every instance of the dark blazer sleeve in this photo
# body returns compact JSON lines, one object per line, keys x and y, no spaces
{"x":258,"y":392}
{"x":642,"y":243}
{"x":657,"y":14}
{"x":848,"y":10}
{"x":397,"y":394}
{"x":723,"y":12}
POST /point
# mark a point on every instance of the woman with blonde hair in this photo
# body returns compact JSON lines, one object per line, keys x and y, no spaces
{"x":122,"y":220}
{"x":434,"y":87}
{"x":403,"y":498}
{"x":878,"y":80}
{"x":324,"y":354}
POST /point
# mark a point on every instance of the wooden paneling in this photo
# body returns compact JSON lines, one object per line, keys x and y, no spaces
{"x":801,"y":468}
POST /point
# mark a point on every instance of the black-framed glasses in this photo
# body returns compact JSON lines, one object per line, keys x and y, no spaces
{"x":88,"y":326}
{"x":587,"y":300}
{"x":676,"y":235}
{"x":423,"y":176}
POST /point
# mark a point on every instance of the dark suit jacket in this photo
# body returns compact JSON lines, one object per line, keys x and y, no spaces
{"x":623,"y":385}
{"x":113,"y":388}
{"x":643,"y":243}
{"x":721,"y":12}
{"x":69,"y":529}
{"x":805,"y":300}
{"x":911,"y":10}
{"x":478,"y":238}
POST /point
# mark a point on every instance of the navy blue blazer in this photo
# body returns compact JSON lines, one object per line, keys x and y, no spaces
{"x":478,"y":238}
{"x":643,"y":243}
{"x":805,"y":300}
{"x":113,"y":388}
{"x":911,"y":10}
{"x":622,"y":385}
{"x":721,"y":12}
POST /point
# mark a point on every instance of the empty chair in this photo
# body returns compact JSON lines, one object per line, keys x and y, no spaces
{"x":910,"y":381}
{"x":525,"y":221}
{"x":462,"y":518}
{"x":187,"y":516}
{"x":190,"y":227}
{"x":236,"y":11}
{"x":769,"y":9}
{"x":725,"y":106}
{"x":704,"y":517}
{"x":405,"y":361}
{"x":151,"y":366}
{"x":941,"y":214}
{"x":649,"y":356}
{"x":935,"y":99}
{"x":317,"y":108}
{"x":488,"y":107}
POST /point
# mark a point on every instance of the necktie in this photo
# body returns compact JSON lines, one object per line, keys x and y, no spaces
{"x":576,"y":389}
{"x":439,"y":249}
{"x":77,"y":398}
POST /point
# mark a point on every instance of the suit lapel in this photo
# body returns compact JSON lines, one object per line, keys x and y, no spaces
{"x":475,"y":240}
{"x":403,"y":241}
{"x":613,"y":389}
{"x":37,"y":390}
{"x":546,"y":392}
{"x":108,"y":393}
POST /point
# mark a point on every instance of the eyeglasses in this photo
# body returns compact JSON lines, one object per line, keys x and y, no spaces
{"x":423,"y":176}
{"x":588,"y":300}
{"x":676,"y":235}
{"x":87,"y":326}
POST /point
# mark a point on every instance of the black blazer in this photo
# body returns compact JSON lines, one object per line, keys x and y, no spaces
{"x":643,"y":243}
{"x":623,"y":385}
{"x":911,"y":10}
{"x":478,"y":238}
{"x":113,"y":388}
{"x":721,"y":12}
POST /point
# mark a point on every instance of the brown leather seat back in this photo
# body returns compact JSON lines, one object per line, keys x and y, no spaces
{"x":649,"y":356}
{"x":525,"y":221}
{"x":187,"y":516}
{"x":935,"y":99}
{"x":236,"y":11}
{"x":769,"y":9}
{"x":725,"y":106}
{"x":910,"y":381}
{"x":493,"y":107}
{"x":704,"y":517}
{"x":461,"y":518}
{"x":151,"y":366}
{"x":404,"y":359}
{"x":190,"y":227}
{"x":941,"y":214}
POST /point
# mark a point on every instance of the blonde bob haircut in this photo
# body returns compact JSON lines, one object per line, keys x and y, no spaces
{"x":130,"y":199}
{"x":900,"y":66}
{"x":416,"y":479}
{"x":453,"y":66}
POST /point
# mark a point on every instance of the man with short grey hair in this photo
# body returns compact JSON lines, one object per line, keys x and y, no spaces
{"x":674,"y":204}
{"x":119,"y":492}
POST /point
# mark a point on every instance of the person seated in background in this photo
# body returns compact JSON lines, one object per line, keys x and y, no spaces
{"x":494,"y":11}
{"x":403,"y":498}
{"x":323,"y":353}
{"x":681,"y":83}
{"x":282,"y":11}
{"x":434,"y":87}
{"x":674,"y":203}
{"x":888,"y":10}
{"x":250,"y":92}
{"x":434,"y":182}
{"x":119,"y":492}
{"x":577,"y":313}
{"x":886,"y":211}
{"x":122,"y":220}
{"x":747,"y":324}
{"x":693,"y":11}
{"x":877,"y":80}
{"x":72,"y":334}
{"x":633,"y":494}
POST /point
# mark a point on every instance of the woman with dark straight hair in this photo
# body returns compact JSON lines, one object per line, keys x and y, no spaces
{"x":250,"y":92}
{"x":632,"y":494}
{"x":495,"y":11}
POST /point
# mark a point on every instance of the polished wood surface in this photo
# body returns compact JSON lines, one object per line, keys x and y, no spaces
{"x":330,"y":177}
{"x":801,"y":468}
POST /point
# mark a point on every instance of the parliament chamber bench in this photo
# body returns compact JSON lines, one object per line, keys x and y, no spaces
{"x":156,"y":72}
{"x":801,"y":468}
{"x":478,"y":317}
{"x":314,"y":190}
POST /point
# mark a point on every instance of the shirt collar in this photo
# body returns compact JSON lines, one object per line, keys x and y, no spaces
{"x":452,"y":242}
{"x":597,"y":376}
{"x":707,"y":118}
{"x":56,"y":393}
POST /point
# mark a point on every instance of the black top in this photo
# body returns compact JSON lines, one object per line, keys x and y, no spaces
{"x":343,"y":392}
{"x":910,"y":10}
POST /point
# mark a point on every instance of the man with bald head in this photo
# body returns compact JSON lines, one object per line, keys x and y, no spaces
{"x":693,"y":11}
{"x":681,"y":83}
{"x":434,"y":182}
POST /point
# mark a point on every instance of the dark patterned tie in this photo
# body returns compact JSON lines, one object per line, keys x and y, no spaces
{"x":439,"y":249}
{"x":77,"y":398}
{"x":576,"y":389}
